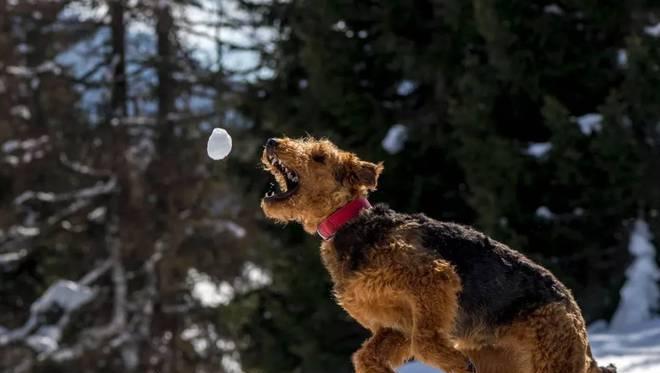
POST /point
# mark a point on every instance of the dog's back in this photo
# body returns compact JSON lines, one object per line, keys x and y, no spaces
{"x":498,"y":285}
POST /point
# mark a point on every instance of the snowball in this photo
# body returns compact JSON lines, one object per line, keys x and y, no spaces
{"x":219,"y":145}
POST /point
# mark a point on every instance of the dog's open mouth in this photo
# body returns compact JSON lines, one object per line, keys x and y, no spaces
{"x":287,"y":181}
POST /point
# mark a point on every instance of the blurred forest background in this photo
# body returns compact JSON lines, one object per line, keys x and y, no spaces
{"x":123,"y":248}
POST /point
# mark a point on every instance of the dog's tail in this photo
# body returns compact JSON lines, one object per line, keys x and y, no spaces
{"x":594,"y":368}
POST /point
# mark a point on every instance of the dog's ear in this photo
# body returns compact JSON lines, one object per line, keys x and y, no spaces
{"x":361,"y":173}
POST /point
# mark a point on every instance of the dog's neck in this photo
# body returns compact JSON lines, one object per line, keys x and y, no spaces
{"x":330,"y":225}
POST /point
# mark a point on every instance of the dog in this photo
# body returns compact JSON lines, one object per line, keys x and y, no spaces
{"x":439,"y":292}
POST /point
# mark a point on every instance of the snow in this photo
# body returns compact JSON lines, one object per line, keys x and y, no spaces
{"x":640,"y":295}
{"x":622,"y":57}
{"x":21,"y":111}
{"x":553,"y":9}
{"x":538,"y":149}
{"x":256,"y":276}
{"x":68,"y":295}
{"x":45,"y":339}
{"x":395,"y":138}
{"x":219,"y":145}
{"x":635,"y":350}
{"x":211,"y":294}
{"x":63,"y":294}
{"x":590,"y":123}
{"x":406,"y":87}
{"x":208,"y":293}
{"x":544,"y":212}
{"x":339,"y":26}
{"x":653,"y":30}
{"x":11,"y":257}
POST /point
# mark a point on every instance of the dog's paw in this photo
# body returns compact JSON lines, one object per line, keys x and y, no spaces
{"x":608,"y":369}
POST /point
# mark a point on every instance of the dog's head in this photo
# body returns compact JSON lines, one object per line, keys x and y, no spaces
{"x":313,"y":178}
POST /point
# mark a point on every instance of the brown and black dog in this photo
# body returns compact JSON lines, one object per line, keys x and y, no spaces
{"x":440,"y":292}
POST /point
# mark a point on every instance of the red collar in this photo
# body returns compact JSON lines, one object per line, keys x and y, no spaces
{"x":328,"y":227}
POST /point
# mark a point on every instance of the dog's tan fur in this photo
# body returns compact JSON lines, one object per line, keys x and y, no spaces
{"x":407,"y":297}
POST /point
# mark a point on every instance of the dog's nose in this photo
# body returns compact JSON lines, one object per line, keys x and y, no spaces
{"x":271,"y":143}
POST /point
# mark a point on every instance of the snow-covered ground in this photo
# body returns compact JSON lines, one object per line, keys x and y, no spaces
{"x":635,"y":350}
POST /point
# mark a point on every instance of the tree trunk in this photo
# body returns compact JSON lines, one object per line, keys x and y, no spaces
{"x":164,"y":68}
{"x":118,"y":97}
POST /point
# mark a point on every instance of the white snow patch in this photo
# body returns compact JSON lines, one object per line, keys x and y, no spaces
{"x":219,"y":144}
{"x":633,"y":350}
{"x":339,"y":26}
{"x":24,"y":231}
{"x":46,"y":339}
{"x":231,"y":364}
{"x":256,"y":276}
{"x":395,"y":138}
{"x":553,"y":9}
{"x":11,"y":146}
{"x":622,"y":58}
{"x":207,"y":292}
{"x":406,"y":87}
{"x":21,"y":111}
{"x":212,"y":294}
{"x":653,"y":30}
{"x":98,"y":214}
{"x":197,"y":338}
{"x":590,"y":123}
{"x":538,"y":149}
{"x":66,"y":294}
{"x":11,"y":257}
{"x":544,"y":212}
{"x":235,"y":229}
{"x":640,"y":295}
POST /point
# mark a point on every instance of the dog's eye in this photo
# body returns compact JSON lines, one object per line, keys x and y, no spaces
{"x":318,"y":157}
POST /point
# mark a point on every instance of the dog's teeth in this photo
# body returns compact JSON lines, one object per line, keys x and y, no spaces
{"x":295,"y":179}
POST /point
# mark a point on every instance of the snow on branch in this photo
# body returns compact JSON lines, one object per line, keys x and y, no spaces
{"x":98,"y":189}
{"x":81,"y":168}
{"x":67,"y":296}
{"x":94,"y":337}
{"x":18,"y":236}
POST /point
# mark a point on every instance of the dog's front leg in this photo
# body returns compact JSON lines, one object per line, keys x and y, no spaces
{"x":385,"y":350}
{"x":436,"y":349}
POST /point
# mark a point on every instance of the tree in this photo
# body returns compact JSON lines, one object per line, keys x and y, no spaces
{"x":109,"y":205}
{"x":521,"y":120}
{"x":640,"y":295}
